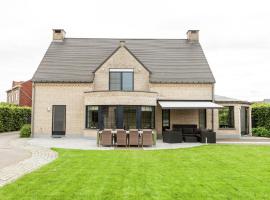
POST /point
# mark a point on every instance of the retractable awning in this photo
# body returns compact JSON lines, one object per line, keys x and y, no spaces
{"x":188,"y":105}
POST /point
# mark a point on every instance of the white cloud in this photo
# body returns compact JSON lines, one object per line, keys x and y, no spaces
{"x":234,"y":34}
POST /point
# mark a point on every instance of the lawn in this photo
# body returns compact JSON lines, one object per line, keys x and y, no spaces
{"x":205,"y":172}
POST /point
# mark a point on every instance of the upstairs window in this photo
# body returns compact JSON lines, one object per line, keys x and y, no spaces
{"x":226,"y":117}
{"x":121,"y":79}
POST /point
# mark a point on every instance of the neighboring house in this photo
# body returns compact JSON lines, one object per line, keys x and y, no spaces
{"x":20,"y":93}
{"x":85,"y":84}
{"x":263,"y":101}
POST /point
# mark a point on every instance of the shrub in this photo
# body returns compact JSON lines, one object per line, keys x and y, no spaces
{"x":12,"y":117}
{"x":261,"y":131}
{"x":25,"y":130}
{"x":261,"y":115}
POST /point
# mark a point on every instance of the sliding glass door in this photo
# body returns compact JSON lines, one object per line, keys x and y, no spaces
{"x":121,"y":117}
{"x":129,"y":117}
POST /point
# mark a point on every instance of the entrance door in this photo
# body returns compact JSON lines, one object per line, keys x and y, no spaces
{"x":59,"y":120}
{"x":244,"y":121}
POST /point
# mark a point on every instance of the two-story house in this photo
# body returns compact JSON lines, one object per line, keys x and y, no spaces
{"x":85,"y":84}
{"x":20,"y":94}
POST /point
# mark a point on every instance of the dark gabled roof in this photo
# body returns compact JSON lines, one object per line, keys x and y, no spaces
{"x":168,"y":60}
{"x":223,"y":99}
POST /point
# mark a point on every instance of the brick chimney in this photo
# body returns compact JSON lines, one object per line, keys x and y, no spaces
{"x":193,"y":35}
{"x":59,"y":35}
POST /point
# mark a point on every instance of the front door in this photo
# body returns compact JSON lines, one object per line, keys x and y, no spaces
{"x":59,"y":120}
{"x":244,"y":120}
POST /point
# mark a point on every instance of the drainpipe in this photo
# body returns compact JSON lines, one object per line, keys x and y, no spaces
{"x":33,"y":108}
{"x":213,"y":100}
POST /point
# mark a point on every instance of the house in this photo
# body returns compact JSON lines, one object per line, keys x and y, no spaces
{"x":85,"y":84}
{"x":20,"y":93}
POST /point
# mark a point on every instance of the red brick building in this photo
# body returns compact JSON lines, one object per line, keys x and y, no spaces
{"x":20,"y":93}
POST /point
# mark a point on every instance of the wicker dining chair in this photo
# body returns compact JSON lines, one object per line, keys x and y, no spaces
{"x":121,"y":137}
{"x":106,"y":138}
{"x":147,"y":137}
{"x":134,"y":137}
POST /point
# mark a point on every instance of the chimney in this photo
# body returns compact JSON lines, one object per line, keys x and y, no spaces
{"x":59,"y":35}
{"x":193,"y":35}
{"x":122,"y":43}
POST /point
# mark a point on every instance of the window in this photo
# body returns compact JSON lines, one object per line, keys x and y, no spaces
{"x":121,"y":80}
{"x":109,"y":117}
{"x":115,"y":80}
{"x":202,"y":118}
{"x":91,"y":116}
{"x":147,"y":117}
{"x":165,"y":119}
{"x":226,"y":117}
{"x":129,"y":117}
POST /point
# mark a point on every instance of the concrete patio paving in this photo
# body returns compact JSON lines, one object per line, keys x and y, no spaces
{"x":91,"y":144}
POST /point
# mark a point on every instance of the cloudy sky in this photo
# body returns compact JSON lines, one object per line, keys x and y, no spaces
{"x":235,"y":35}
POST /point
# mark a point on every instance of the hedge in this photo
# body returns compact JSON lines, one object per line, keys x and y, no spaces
{"x":12,"y":117}
{"x":25,"y":130}
{"x":261,"y":132}
{"x":261,"y":115}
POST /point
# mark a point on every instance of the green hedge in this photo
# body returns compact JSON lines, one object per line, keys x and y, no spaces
{"x":261,"y":132}
{"x":12,"y":117}
{"x":261,"y":115}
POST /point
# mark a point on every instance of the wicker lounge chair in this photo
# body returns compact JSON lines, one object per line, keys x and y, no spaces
{"x":121,"y":137}
{"x":134,"y":137}
{"x":147,"y":138}
{"x":106,"y":138}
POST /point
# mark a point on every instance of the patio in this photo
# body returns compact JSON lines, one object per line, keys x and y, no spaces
{"x":91,"y":144}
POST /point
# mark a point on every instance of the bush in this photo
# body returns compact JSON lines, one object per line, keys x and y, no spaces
{"x":25,"y":130}
{"x":12,"y":117}
{"x":261,"y":131}
{"x":261,"y":115}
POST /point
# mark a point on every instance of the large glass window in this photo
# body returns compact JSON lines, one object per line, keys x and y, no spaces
{"x":165,"y":119}
{"x":121,"y":81}
{"x":147,"y":117}
{"x":129,"y":117}
{"x":202,"y":118}
{"x":109,"y":117}
{"x":226,"y":117}
{"x":91,"y":116}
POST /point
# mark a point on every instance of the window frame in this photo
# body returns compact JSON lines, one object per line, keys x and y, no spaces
{"x":169,"y":119}
{"x":121,"y":72}
{"x":230,"y":109}
{"x":152,"y":111}
{"x":87,"y":115}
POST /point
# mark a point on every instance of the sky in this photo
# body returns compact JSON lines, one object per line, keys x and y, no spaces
{"x":235,"y":35}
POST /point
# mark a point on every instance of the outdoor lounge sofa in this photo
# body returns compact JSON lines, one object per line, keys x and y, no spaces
{"x":190,"y":132}
{"x":172,"y":136}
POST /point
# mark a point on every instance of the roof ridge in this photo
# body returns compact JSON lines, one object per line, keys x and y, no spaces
{"x":128,"y":38}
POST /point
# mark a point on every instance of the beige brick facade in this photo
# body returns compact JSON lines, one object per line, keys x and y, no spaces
{"x":183,"y":91}
{"x":122,"y":59}
{"x":231,"y":132}
{"x":47,"y":95}
{"x":77,"y":96}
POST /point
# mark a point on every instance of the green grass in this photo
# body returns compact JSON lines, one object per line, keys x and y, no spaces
{"x":206,"y":172}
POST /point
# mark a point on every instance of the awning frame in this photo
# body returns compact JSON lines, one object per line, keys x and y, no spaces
{"x":176,"y":104}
